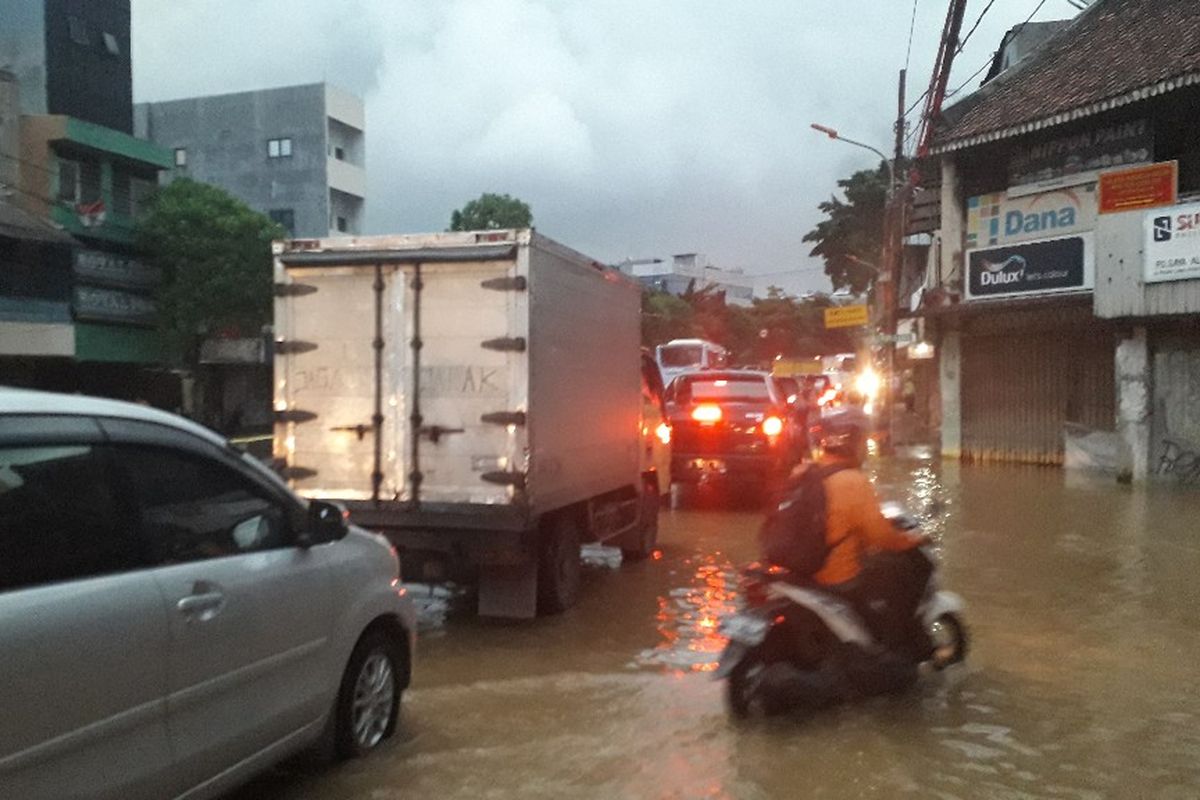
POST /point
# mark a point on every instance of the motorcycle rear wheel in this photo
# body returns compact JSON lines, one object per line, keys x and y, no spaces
{"x":948,"y":632}
{"x":741,"y":687}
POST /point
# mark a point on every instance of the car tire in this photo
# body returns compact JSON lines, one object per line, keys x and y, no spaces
{"x":368,"y":704}
{"x":559,"y":569}
{"x":639,"y":543}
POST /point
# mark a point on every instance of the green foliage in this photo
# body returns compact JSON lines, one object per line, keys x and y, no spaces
{"x":215,"y":253}
{"x":852,"y":233}
{"x":792,"y":327}
{"x":492,"y":212}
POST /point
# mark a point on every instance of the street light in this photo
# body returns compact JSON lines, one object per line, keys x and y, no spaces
{"x":833,"y":134}
{"x":887,"y":276}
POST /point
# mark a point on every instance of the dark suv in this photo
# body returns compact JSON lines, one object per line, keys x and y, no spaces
{"x":731,"y":426}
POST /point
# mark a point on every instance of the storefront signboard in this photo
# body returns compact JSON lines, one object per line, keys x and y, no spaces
{"x":1047,"y":266}
{"x":1150,"y":186}
{"x":1172,"y":244}
{"x":1078,"y":158}
{"x":999,"y":219}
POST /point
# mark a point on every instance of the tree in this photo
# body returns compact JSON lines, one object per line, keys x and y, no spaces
{"x":215,"y":253}
{"x":851,"y":237}
{"x":491,"y":212}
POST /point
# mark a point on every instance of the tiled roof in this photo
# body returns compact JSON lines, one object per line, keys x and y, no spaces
{"x":1117,"y":52}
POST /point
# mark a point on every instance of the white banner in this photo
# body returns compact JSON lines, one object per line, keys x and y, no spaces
{"x":1172,"y":243}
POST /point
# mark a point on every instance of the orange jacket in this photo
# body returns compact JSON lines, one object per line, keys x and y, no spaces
{"x":855,"y":527}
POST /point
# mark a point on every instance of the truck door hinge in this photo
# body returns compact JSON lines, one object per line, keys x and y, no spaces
{"x":511,"y":344}
{"x":505,"y":418}
{"x":291,"y":347}
{"x":513,"y":479}
{"x":435,"y":432}
{"x":517,"y":284}
{"x":295,"y":415}
{"x":293,"y":289}
{"x":297,"y":473}
{"x":359,"y":430}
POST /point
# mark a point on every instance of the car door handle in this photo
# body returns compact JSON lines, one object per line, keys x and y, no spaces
{"x":202,"y":606}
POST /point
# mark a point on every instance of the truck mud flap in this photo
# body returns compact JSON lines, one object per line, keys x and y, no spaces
{"x":508,"y":592}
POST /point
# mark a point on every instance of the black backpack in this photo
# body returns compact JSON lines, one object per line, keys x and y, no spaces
{"x":793,"y":534}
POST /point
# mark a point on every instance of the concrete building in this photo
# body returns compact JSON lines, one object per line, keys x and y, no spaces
{"x":694,"y":271}
{"x":1064,"y":294}
{"x":76,"y":303}
{"x":295,"y":153}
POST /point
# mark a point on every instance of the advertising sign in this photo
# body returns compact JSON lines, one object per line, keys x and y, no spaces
{"x":1172,"y":244}
{"x":113,"y":305}
{"x":1139,"y":187}
{"x":1064,"y":264}
{"x":109,"y":269}
{"x":1075,"y":159}
{"x":845,"y":316}
{"x":997,"y":218}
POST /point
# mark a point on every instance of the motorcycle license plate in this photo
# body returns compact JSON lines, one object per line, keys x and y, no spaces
{"x":746,"y":629}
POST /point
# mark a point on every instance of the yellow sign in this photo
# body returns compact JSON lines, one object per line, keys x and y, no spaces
{"x":845,"y":316}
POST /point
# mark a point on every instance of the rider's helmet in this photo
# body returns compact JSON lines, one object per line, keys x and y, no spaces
{"x":842,"y":432}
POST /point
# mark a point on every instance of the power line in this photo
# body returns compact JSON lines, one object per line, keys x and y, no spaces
{"x":963,"y":42}
{"x":988,"y":63}
{"x":912,"y":24}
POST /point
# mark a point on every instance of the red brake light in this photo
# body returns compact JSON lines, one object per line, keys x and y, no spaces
{"x":772,"y":426}
{"x":663,"y":432}
{"x":707,"y":412}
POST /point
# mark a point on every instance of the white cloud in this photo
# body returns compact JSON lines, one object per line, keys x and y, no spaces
{"x":632,"y":128}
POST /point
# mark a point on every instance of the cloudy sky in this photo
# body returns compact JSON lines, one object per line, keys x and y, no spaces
{"x":634,"y":128}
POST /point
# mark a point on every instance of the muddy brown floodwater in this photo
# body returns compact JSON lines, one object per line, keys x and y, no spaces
{"x":1084,"y":605}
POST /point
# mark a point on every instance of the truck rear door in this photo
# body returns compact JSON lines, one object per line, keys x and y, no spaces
{"x":438,"y":416}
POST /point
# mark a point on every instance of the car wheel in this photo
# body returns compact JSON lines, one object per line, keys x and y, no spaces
{"x":558,"y":565}
{"x":369,"y":697}
{"x":639,"y":543}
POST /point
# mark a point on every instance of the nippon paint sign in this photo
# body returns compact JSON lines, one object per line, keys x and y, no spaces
{"x":998,"y":219}
{"x":1172,"y":244}
{"x":1047,"y":266}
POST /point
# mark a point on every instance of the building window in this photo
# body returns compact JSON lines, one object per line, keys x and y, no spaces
{"x":339,"y":153}
{"x":68,"y":181}
{"x":181,"y":156}
{"x":78,"y":30}
{"x":341,"y":224}
{"x":284,"y":218}
{"x":111,"y":45}
{"x":279,"y":148}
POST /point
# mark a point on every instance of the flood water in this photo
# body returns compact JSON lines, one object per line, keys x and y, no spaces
{"x":1084,"y":610}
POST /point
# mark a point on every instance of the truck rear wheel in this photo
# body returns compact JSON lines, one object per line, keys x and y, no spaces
{"x":639,"y":543}
{"x":558,"y":565}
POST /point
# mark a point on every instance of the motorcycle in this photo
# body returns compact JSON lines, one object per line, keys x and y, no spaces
{"x":825,"y":646}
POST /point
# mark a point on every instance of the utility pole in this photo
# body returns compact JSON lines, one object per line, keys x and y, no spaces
{"x":893,"y":251}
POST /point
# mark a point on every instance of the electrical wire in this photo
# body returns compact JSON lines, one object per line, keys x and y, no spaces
{"x":988,"y":63}
{"x":912,"y":24}
{"x":963,"y":41}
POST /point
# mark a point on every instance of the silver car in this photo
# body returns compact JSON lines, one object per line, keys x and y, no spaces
{"x":172,"y":618}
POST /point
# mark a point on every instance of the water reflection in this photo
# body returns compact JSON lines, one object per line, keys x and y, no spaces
{"x":689,"y":618}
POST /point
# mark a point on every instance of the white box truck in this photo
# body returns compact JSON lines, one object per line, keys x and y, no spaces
{"x":472,"y":396}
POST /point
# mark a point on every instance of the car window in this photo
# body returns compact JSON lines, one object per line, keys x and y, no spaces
{"x":61,"y":517}
{"x":681,"y":355}
{"x":192,"y":508}
{"x":730,"y":389}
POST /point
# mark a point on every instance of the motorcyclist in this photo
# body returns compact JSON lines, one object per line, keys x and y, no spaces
{"x":870,"y":561}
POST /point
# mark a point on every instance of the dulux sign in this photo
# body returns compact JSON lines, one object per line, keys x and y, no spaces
{"x":997,"y":219}
{"x":1046,"y":266}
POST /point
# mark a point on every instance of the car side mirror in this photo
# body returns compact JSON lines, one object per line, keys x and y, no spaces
{"x":327,"y":522}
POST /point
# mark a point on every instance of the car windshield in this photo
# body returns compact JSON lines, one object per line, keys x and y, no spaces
{"x":729,"y":389}
{"x":681,"y":355}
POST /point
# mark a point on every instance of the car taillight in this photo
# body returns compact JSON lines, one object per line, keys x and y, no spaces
{"x":663,"y":432}
{"x":707,"y":412}
{"x":772,"y":426}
